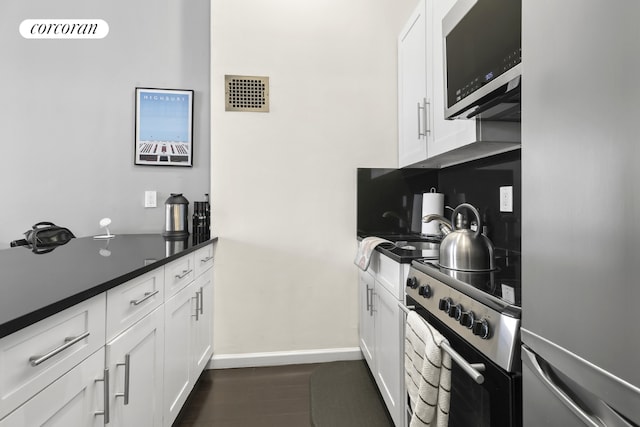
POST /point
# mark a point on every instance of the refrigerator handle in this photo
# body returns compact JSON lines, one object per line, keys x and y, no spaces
{"x":531,"y":360}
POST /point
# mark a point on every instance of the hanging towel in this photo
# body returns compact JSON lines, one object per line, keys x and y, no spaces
{"x":365,"y":249}
{"x":427,"y":373}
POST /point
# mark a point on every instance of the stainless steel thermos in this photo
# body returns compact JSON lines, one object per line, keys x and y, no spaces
{"x":176,"y":225}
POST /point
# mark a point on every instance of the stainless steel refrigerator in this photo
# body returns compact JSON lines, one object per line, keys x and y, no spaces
{"x":581,"y":213}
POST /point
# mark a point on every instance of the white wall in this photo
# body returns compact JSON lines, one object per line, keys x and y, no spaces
{"x":67,"y":113}
{"x":283,"y":182}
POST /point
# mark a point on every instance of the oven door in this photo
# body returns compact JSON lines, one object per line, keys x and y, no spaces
{"x":497,"y":402}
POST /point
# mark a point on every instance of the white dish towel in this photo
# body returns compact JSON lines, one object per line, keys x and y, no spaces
{"x":427,"y":373}
{"x":365,"y":249}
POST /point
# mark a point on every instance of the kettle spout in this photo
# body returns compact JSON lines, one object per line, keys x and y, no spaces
{"x":445,"y":224}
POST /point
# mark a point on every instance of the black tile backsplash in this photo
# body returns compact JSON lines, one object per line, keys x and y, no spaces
{"x":389,"y":200}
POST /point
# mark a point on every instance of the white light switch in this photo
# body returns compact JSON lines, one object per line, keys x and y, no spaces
{"x":506,"y":199}
{"x":150,"y":199}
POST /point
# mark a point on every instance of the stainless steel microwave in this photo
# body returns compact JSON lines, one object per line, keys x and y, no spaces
{"x":482,"y":59}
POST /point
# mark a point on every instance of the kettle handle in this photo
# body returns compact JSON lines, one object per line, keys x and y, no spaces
{"x":472,"y":209}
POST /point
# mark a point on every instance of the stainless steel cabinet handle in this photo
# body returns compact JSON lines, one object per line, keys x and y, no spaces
{"x":531,"y":360}
{"x":420,"y":115}
{"x":184,"y":274}
{"x":427,"y":111}
{"x":69,"y":341}
{"x":105,"y":398}
{"x":369,"y":302}
{"x":201,"y":301}
{"x":146,"y":296}
{"x":197,"y":298}
{"x":127,"y":371}
{"x":209,"y":258}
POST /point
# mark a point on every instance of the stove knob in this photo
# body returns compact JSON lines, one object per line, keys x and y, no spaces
{"x":456,"y":311}
{"x":481,"y":328}
{"x":467,"y":319}
{"x":412,"y":282}
{"x":445,"y":304}
{"x":425,"y":291}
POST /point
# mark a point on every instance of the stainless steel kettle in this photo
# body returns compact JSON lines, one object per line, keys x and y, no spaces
{"x":466,"y":250}
{"x":176,"y":209}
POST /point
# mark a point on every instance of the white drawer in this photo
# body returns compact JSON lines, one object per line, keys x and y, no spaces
{"x":392,"y":275}
{"x":131,"y":301}
{"x":178,"y":274}
{"x":44,"y":344}
{"x":203,"y":259}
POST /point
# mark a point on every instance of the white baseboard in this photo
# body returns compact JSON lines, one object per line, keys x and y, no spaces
{"x":246,"y":360}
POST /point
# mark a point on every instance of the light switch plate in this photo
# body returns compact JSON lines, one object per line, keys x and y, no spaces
{"x":150,"y":199}
{"x":506,"y":199}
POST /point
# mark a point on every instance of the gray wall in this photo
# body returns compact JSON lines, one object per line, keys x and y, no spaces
{"x":67,"y":113}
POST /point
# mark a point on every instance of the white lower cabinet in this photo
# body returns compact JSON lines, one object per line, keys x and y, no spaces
{"x":75,"y":399}
{"x":188,"y":341}
{"x":203,"y":328}
{"x":388,"y":349}
{"x":366,"y":326}
{"x":381,"y":328}
{"x":134,"y":360}
{"x":150,"y":338}
{"x":180,"y":312}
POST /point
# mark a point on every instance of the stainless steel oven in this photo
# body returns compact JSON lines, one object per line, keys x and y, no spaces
{"x":483,"y":330}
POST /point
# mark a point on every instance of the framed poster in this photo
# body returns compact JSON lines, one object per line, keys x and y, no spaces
{"x":164,"y":127}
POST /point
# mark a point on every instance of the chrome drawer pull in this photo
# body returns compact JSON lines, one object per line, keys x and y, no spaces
{"x":127,"y":369}
{"x":201,"y":301}
{"x":146,"y":296}
{"x":184,"y":274}
{"x":105,"y":397}
{"x":209,"y":258}
{"x":197,"y":303}
{"x":37,"y":360}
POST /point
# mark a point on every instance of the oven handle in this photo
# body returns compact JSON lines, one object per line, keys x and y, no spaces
{"x":472,"y":369}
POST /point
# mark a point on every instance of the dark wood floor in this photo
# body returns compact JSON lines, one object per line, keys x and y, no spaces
{"x":275,"y":396}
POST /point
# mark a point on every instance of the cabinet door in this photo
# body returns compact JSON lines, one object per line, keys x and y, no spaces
{"x":366,"y":326}
{"x":134,"y":359}
{"x":389,"y":343}
{"x":414,"y":93}
{"x":203,"y":326}
{"x":73,"y":400}
{"x":180,"y":313}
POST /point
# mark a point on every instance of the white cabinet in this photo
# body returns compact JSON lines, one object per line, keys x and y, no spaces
{"x":203,"y":327}
{"x":425,"y":137}
{"x":75,"y":399}
{"x":389,"y":320}
{"x":414,"y":95}
{"x":150,"y":338}
{"x":188,"y":341}
{"x":37,"y":355}
{"x":381,"y":290}
{"x":366,"y":329}
{"x":134,"y":360}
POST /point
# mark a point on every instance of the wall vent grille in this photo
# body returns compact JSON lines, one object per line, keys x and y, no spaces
{"x":246,"y":93}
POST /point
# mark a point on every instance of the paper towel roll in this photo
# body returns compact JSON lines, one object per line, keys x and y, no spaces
{"x":432,"y":203}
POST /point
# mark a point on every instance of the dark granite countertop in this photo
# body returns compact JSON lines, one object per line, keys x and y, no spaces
{"x":35,"y":286}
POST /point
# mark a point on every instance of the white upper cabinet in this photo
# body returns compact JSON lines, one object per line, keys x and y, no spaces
{"x":414,"y":96}
{"x":425,"y":137}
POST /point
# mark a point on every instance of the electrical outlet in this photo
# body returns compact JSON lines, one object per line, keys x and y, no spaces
{"x":150,"y":199}
{"x":506,"y":199}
